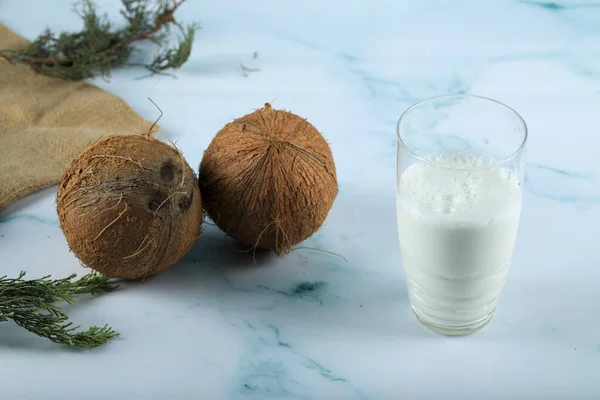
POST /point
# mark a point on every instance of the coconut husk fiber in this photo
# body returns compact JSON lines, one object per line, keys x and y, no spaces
{"x":45,"y":122}
{"x":268,"y":179}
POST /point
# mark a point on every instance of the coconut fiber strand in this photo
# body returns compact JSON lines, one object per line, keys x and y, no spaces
{"x":45,"y":122}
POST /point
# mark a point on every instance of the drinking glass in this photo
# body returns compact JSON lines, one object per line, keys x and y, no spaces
{"x":460,"y":168}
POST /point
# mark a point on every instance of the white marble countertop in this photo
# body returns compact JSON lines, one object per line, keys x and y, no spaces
{"x":216,"y":326}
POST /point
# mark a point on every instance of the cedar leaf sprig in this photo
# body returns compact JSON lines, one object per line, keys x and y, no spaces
{"x":31,"y":305}
{"x":100,"y":47}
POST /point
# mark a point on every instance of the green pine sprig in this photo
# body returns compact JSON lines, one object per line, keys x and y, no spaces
{"x":31,"y":305}
{"x":101,"y":47}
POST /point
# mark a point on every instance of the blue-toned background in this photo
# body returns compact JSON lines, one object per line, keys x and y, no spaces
{"x":218,"y":326}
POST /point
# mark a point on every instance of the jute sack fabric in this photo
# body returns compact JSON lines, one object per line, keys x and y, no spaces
{"x":45,"y":122}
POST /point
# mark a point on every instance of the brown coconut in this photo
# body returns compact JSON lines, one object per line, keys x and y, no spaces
{"x":268,"y":179}
{"x":129,"y":206}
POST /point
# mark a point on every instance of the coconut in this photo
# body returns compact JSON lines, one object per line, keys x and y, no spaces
{"x":129,"y":206}
{"x":268,"y":179}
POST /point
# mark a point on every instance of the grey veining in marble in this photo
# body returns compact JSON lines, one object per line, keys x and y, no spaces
{"x":228,"y":324}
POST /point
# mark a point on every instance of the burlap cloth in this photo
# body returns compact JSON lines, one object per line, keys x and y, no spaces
{"x":45,"y":122}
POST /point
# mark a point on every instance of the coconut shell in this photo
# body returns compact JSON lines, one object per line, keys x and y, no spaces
{"x":268,"y":179}
{"x":129,"y":206}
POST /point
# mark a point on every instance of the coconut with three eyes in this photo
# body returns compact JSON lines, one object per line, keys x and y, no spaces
{"x":129,"y":206}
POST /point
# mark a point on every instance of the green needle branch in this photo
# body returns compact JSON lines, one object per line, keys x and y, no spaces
{"x":30,"y":304}
{"x":100,"y":47}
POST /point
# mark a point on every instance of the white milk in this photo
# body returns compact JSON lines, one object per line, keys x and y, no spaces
{"x":457,"y":230}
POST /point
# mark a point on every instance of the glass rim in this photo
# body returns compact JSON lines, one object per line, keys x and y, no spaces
{"x":457,"y":95}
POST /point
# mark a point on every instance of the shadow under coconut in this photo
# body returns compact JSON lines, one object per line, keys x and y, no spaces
{"x":214,"y":247}
{"x":207,"y":267}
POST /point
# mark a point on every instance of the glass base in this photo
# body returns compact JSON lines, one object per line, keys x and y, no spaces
{"x":460,"y":330}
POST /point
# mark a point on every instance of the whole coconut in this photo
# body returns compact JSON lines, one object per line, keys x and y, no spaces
{"x":129,"y":206}
{"x":268,"y":179}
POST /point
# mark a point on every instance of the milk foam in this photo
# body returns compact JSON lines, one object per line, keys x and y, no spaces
{"x":457,"y":186}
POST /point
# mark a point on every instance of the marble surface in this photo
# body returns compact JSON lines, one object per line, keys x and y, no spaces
{"x":218,"y":326}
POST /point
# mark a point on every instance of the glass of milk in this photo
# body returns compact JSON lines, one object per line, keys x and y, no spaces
{"x":460,"y":169}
